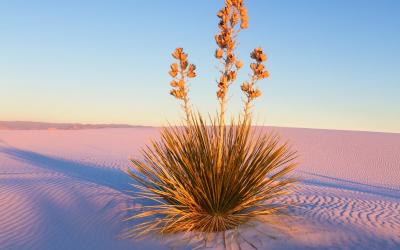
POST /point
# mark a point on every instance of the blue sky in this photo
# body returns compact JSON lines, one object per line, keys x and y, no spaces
{"x":333,"y":64}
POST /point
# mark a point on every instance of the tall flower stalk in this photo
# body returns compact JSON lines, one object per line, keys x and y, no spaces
{"x":230,"y":16}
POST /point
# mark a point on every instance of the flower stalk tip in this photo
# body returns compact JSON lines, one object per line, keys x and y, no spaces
{"x":181,"y":72}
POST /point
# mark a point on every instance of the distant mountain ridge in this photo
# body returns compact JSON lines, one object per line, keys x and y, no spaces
{"x":27,"y":125}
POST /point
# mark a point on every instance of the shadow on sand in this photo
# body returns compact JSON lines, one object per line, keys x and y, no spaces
{"x":332,"y":182}
{"x":112,"y":178}
{"x":64,"y":223}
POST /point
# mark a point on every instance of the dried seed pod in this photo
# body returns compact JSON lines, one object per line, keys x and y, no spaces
{"x":220,"y":13}
{"x":221,"y":93}
{"x":174,"y":67}
{"x":238,"y":64}
{"x":179,"y":94}
{"x":253,"y":66}
{"x":191,"y":74}
{"x":173,"y":73}
{"x":221,"y":85}
{"x":231,"y":76}
{"x":265,"y":74}
{"x":184,"y":65}
{"x":191,"y":70}
{"x":244,"y":24}
{"x":256,"y":93}
{"x":243,"y":17}
{"x":177,"y":52}
{"x":258,"y":55}
{"x":254,"y":53}
{"x":183,"y":57}
{"x":245,"y":87}
{"x":174,"y":70}
{"x":181,"y":84}
{"x":260,"y":67}
{"x":174,"y":83}
{"x":192,"y":67}
{"x":219,"y":53}
{"x":218,"y":40}
{"x":230,"y":58}
{"x":174,"y":93}
{"x":234,"y":18}
{"x":224,"y":79}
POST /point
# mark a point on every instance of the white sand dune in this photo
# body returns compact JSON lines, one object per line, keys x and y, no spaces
{"x":65,"y":189}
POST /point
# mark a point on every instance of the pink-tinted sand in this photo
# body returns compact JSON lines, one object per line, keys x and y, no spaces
{"x":64,"y":189}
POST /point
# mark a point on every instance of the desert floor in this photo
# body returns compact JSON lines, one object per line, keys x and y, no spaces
{"x":65,"y":189}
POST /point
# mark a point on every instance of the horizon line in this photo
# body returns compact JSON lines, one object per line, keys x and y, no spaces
{"x":84,"y":125}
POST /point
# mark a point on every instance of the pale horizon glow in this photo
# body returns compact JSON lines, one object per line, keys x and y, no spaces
{"x":333,"y":64}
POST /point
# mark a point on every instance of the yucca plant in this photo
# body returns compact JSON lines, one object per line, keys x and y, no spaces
{"x":205,"y":176}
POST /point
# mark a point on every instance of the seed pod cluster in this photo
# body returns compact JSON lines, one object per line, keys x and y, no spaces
{"x":229,"y":16}
{"x":250,"y":91}
{"x":183,"y":69}
{"x":259,"y":73}
{"x":241,"y":12}
{"x":258,"y":67}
